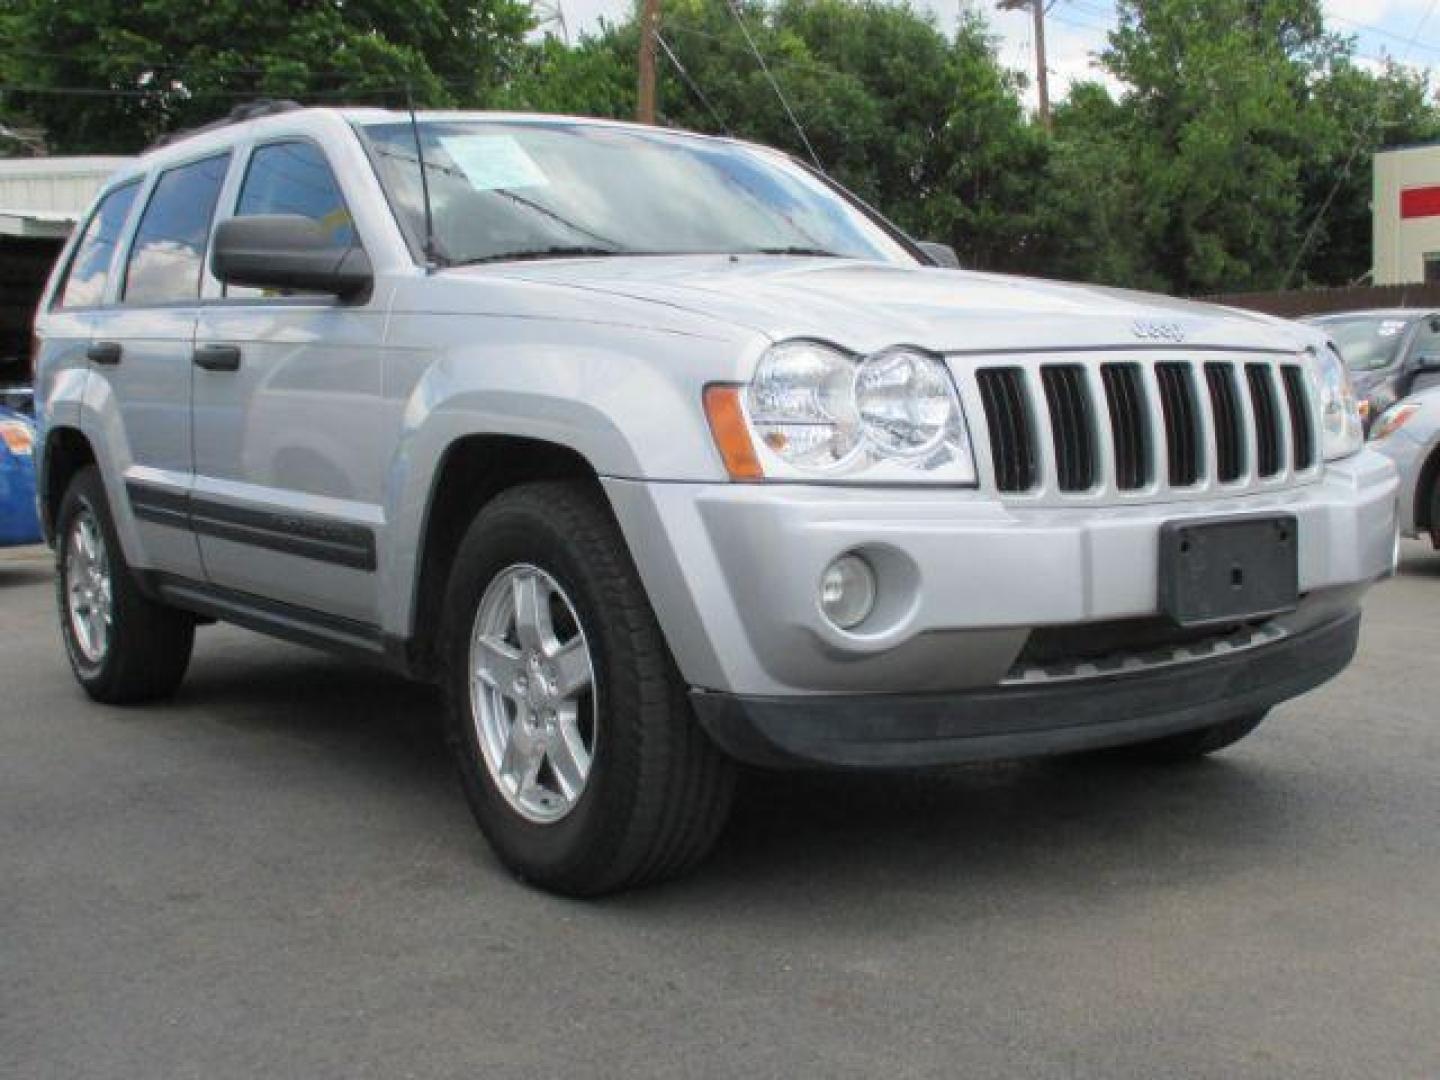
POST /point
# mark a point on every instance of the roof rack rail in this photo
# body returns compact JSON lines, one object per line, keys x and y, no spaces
{"x":250,"y":110}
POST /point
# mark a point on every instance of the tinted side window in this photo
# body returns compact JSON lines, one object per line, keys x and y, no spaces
{"x":169,"y":249}
{"x":90,"y":269}
{"x":294,"y":178}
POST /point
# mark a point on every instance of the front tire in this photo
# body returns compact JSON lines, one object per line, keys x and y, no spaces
{"x":572,"y":729}
{"x":123,"y":647}
{"x":1189,"y":745}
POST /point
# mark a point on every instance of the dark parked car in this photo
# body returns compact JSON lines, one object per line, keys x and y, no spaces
{"x":1391,"y":353}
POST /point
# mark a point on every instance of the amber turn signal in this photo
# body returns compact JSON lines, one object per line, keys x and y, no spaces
{"x":732,"y":434}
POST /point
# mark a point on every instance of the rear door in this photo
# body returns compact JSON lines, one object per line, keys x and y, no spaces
{"x":140,"y":354}
{"x":81,"y":290}
{"x":292,"y":429}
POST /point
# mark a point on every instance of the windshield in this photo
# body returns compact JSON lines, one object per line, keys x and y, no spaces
{"x":508,"y":189}
{"x":1368,"y":343}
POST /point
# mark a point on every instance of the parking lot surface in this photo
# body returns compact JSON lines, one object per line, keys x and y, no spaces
{"x":276,"y":875}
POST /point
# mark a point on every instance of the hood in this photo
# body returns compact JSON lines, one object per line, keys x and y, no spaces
{"x":867,"y":306}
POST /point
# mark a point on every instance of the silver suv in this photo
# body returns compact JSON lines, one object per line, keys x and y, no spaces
{"x":660,"y":452}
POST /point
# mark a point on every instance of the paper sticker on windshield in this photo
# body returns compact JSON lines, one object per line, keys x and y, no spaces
{"x":1391,"y":327}
{"x":490,"y":162}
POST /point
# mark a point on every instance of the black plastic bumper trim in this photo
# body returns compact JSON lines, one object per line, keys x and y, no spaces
{"x":907,"y":730}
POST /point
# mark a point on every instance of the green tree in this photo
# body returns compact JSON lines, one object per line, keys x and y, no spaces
{"x":1213,"y":134}
{"x":927,"y":127}
{"x":1093,"y":218}
{"x":110,"y":75}
{"x":1357,"y":113}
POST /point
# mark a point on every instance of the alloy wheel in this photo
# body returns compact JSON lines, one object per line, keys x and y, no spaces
{"x":532,"y":693}
{"x":89,"y":587}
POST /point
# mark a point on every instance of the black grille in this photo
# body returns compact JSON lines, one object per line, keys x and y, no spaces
{"x":1229,"y":432}
{"x":1079,"y":642}
{"x":1069,"y":401}
{"x":1012,"y":441}
{"x":1267,"y":418}
{"x":1125,"y":399}
{"x":1182,"y":422}
{"x":1302,"y":435}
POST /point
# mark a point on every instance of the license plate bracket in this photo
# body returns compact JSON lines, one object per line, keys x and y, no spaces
{"x":1226,"y":570}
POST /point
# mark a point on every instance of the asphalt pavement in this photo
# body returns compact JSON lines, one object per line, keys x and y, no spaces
{"x":276,"y":876}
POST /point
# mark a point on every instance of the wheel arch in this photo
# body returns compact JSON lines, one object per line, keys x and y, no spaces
{"x":473,"y":470}
{"x":65,"y":453}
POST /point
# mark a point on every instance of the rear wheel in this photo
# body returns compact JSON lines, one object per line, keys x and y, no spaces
{"x":123,"y":647}
{"x":1198,"y":743}
{"x":572,"y":729}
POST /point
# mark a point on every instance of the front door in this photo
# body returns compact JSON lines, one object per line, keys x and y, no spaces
{"x":292,"y":430}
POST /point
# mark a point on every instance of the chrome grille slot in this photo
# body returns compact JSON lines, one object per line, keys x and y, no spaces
{"x":1123,"y":427}
{"x":1182,"y":422}
{"x":1267,"y":419}
{"x":1069,"y":401}
{"x":1012,"y":439}
{"x":1229,"y":430}
{"x":1125,"y":401}
{"x":1302,"y":430}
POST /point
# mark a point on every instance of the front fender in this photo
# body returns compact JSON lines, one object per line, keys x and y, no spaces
{"x":627,"y":401}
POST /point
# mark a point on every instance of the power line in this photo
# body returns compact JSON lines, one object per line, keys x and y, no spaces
{"x":1349,"y":161}
{"x":734,"y":6}
{"x":190,"y":93}
{"x":1380,"y":31}
{"x":690,"y":82}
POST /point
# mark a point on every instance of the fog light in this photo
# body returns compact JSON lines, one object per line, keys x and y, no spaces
{"x":847,"y":591}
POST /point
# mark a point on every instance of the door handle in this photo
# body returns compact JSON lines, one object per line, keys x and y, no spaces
{"x":104,"y":352}
{"x":218,"y":357}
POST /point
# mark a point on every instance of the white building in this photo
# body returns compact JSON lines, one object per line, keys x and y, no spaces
{"x":41,"y":199}
{"x":1406,"y":215}
{"x":44,"y":197}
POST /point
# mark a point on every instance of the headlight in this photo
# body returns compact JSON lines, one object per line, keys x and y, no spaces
{"x":818,"y":413}
{"x":1340,"y":428}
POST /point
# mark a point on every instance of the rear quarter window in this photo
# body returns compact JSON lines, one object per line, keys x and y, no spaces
{"x":89,"y":270}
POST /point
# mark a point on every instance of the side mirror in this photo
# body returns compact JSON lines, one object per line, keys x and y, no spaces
{"x":1426,"y":363}
{"x":939,"y":254}
{"x":287,"y":251}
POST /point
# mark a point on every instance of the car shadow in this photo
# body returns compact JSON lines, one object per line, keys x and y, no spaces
{"x":1063,"y":828}
{"x":1079,"y":823}
{"x":19,"y":575}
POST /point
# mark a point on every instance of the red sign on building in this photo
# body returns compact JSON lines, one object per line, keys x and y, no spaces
{"x":1418,"y":202}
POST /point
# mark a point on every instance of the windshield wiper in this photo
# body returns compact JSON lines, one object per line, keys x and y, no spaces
{"x":795,"y":250}
{"x":556,"y":251}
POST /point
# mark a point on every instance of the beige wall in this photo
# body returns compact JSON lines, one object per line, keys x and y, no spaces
{"x":1402,"y":244}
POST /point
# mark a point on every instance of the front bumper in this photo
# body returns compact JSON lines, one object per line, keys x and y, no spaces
{"x":907,"y":730}
{"x":733,"y":571}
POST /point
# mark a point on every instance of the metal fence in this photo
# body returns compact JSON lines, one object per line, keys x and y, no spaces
{"x":1296,"y":303}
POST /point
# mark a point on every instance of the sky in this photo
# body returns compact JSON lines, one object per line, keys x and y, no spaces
{"x":1404,"y":30}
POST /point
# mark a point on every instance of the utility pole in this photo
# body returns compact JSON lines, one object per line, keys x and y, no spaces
{"x":1042,"y":74}
{"x":649,"y":26}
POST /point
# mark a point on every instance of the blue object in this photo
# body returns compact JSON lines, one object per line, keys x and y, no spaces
{"x":19,"y":519}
